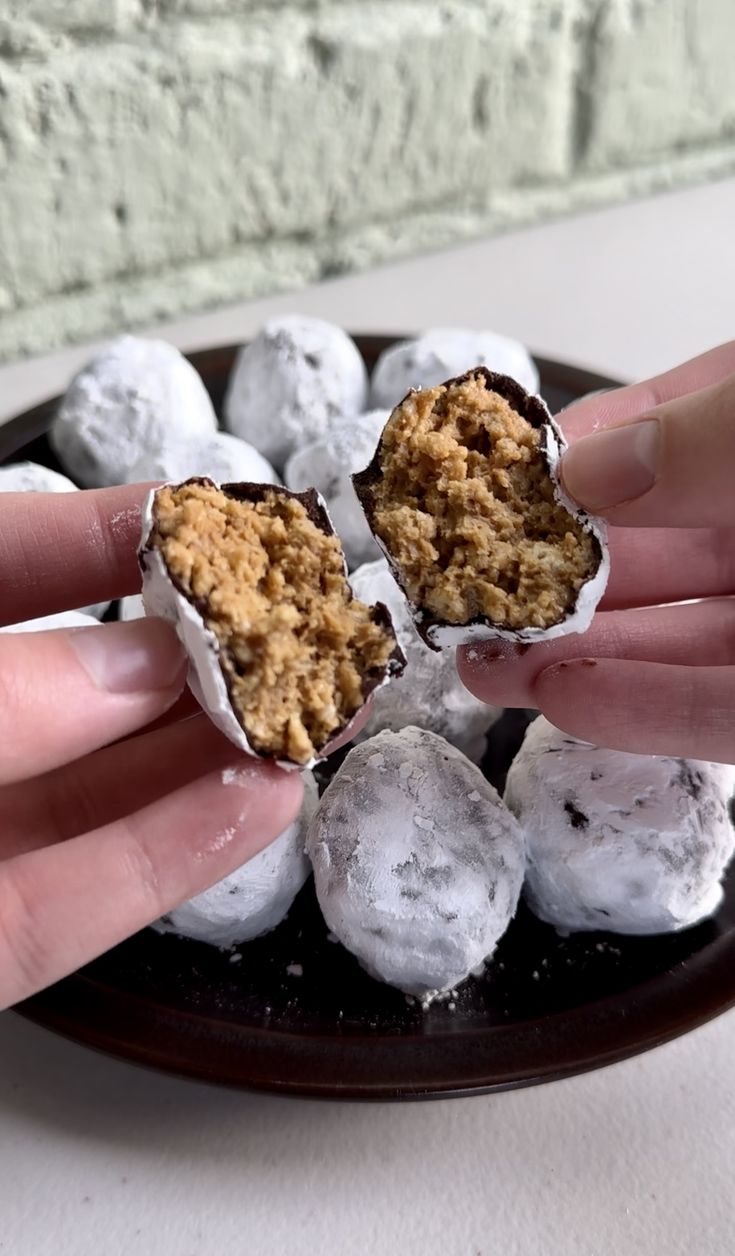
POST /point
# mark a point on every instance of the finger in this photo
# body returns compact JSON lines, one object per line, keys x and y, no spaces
{"x":584,"y":417}
{"x":65,"y":693}
{"x":61,"y":906}
{"x":59,"y":551}
{"x":670,"y":467}
{"x":703,"y":634}
{"x":645,"y":708}
{"x":650,"y":566}
{"x":106,"y":785}
{"x":109,"y":784}
{"x":184,"y":708}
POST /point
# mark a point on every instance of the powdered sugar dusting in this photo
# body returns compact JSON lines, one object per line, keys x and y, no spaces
{"x":413,"y":876}
{"x":125,"y":400}
{"x":305,"y":375}
{"x":125,"y":521}
{"x":328,"y":465}
{"x":218,"y":842}
{"x":629,"y":843}
{"x":244,"y":776}
{"x":442,"y":353}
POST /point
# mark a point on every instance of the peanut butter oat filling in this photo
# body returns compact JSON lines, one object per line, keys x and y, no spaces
{"x":465,"y":506}
{"x":296,"y":647}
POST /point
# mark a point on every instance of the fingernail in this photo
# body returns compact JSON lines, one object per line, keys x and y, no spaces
{"x":613,"y":466}
{"x":137,"y":657}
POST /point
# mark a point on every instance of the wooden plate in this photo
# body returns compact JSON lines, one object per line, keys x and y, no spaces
{"x":296,"y":1014}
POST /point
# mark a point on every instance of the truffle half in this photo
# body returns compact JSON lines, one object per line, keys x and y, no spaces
{"x":283,"y":657}
{"x":463,"y":496}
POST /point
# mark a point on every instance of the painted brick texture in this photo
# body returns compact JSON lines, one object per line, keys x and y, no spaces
{"x":162,"y":155}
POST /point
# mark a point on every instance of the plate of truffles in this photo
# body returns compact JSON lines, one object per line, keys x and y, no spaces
{"x":470,"y":900}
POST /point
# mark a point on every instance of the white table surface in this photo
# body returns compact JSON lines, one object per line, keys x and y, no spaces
{"x":98,"y":1158}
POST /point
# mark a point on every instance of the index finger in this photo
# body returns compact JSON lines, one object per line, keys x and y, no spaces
{"x":64,"y":904}
{"x":625,"y":403}
{"x":59,"y":551}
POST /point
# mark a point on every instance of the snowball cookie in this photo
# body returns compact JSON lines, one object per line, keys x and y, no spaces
{"x":256,"y":897}
{"x":429,"y":694}
{"x":623,"y":842}
{"x":293,"y":384}
{"x":327,"y":466}
{"x":133,"y":396}
{"x":465,"y":498}
{"x":443,"y":353}
{"x":418,"y":863}
{"x":63,"y":619}
{"x":31,"y":477}
{"x":218,"y":455}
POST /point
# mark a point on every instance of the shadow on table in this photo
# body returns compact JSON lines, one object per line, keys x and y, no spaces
{"x":56,"y":1084}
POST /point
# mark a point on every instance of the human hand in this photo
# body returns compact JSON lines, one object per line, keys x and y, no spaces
{"x":657,"y":460}
{"x":104,"y":827}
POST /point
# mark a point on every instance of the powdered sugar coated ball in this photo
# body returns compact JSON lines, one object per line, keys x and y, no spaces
{"x":135,"y":395}
{"x":32,"y":477}
{"x":63,"y":619}
{"x":222,"y":457}
{"x":443,"y":353}
{"x":327,"y":465}
{"x":257,"y":896}
{"x":429,"y":694}
{"x":628,"y":843}
{"x":293,"y":384}
{"x":418,"y":864}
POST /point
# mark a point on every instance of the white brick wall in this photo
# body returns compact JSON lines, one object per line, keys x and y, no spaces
{"x":156,"y":155}
{"x":665,"y":79}
{"x":77,"y":15}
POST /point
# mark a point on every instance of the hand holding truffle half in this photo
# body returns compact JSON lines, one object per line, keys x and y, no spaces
{"x":655,"y":672}
{"x":105,"y":827}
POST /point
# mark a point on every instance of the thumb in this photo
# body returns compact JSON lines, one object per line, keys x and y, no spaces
{"x":671,"y":466}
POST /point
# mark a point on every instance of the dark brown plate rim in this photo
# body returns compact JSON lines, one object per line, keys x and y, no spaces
{"x":361,"y":1067}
